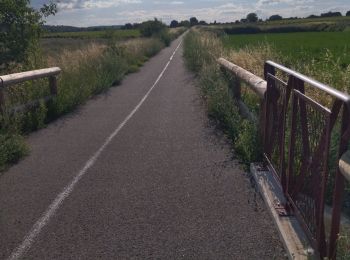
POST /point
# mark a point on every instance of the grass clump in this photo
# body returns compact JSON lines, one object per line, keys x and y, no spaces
{"x":12,"y":147}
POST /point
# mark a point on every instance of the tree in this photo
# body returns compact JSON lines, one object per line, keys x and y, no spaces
{"x":275,"y":17}
{"x":174,"y":24}
{"x":152,"y":28}
{"x":20,"y":28}
{"x":348,"y":13}
{"x":185,"y":23}
{"x":252,"y":18}
{"x":331,"y":14}
{"x":193,"y":21}
{"x":202,"y":22}
{"x":128,"y":26}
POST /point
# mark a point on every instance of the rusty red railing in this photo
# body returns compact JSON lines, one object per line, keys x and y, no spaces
{"x":297,"y":131}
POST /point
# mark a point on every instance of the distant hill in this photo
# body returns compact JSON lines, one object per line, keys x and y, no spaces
{"x":63,"y":28}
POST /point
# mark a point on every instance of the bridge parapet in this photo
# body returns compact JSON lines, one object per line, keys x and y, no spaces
{"x":299,"y":121}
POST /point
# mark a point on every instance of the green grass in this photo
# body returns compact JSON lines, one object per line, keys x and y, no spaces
{"x":117,"y":34}
{"x":300,"y":47}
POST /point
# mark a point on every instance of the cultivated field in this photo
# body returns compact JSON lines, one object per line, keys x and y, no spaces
{"x":298,"y":47}
{"x":118,"y":34}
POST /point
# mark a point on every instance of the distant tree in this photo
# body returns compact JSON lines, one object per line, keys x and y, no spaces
{"x":185,"y":23}
{"x":313,"y":16}
{"x":252,"y":18}
{"x":202,"y":22}
{"x":348,"y":13}
{"x":136,"y":25}
{"x":152,"y":27}
{"x":331,"y":14}
{"x":20,"y":28}
{"x":243,"y":20}
{"x":128,"y":26}
{"x":193,"y":21}
{"x":275,"y":17}
{"x":174,"y":24}
{"x":237,"y":22}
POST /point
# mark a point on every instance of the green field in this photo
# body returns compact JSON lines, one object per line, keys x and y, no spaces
{"x":118,"y":34}
{"x":301,"y":47}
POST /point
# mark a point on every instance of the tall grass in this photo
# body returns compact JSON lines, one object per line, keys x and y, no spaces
{"x":85,"y":72}
{"x":200,"y":51}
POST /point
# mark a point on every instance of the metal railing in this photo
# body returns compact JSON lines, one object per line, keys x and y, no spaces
{"x":17,"y":78}
{"x":296,"y":132}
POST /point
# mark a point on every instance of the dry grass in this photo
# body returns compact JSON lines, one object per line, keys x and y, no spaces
{"x":71,"y":59}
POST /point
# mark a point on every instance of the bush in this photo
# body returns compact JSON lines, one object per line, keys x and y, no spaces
{"x":12,"y":147}
{"x":156,"y":29}
{"x":19,"y":30}
{"x":152,"y":28}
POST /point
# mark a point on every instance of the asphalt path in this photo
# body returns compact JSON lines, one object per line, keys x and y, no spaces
{"x":136,"y":173}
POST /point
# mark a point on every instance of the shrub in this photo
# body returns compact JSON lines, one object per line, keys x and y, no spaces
{"x":12,"y":147}
{"x":156,"y":29}
{"x":19,"y":30}
{"x":152,"y":28}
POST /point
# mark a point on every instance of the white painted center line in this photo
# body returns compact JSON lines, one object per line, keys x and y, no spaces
{"x":54,"y":206}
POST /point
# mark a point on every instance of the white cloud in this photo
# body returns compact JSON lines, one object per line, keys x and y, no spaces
{"x":88,"y":4}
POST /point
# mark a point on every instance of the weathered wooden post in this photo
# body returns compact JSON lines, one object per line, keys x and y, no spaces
{"x":2,"y":97}
{"x":53,"y":85}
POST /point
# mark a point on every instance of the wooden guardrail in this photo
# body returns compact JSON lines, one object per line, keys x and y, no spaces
{"x":296,"y":132}
{"x":13,"y":79}
{"x":257,"y":84}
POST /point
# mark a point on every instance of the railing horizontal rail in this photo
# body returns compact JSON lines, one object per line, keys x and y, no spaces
{"x":331,"y":91}
{"x":12,"y":79}
{"x":257,"y":84}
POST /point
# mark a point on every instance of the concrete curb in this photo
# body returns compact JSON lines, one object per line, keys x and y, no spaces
{"x":294,"y":239}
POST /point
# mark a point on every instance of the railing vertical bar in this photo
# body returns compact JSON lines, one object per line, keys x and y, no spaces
{"x":53,"y":85}
{"x":2,"y":96}
{"x":321,"y":236}
{"x":338,"y":189}
{"x":292,"y":141}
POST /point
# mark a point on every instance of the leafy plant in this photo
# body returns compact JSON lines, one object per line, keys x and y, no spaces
{"x":19,"y":30}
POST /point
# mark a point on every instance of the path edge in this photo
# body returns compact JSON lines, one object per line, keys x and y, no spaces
{"x":294,"y":239}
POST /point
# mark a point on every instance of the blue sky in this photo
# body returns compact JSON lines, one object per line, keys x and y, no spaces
{"x":114,"y":12}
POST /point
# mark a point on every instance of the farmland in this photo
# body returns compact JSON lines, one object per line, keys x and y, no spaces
{"x":117,"y":34}
{"x":298,"y":47}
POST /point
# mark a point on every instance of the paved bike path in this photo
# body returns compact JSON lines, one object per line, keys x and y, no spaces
{"x":136,"y":173}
